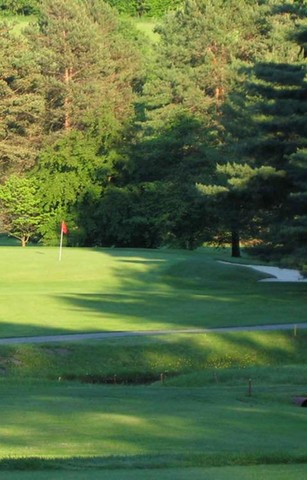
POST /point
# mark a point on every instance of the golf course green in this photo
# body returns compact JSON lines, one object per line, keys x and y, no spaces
{"x":92,"y":290}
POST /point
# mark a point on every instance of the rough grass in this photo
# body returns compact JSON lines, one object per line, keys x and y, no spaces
{"x":94,"y":290}
{"x":192,"y":360}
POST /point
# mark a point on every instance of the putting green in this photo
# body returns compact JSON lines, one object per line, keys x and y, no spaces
{"x":92,"y":290}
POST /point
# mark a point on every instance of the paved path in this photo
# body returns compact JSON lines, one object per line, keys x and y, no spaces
{"x":76,"y":337}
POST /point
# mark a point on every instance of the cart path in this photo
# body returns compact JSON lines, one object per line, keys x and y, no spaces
{"x":77,"y":337}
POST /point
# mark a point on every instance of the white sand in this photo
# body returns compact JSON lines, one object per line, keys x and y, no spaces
{"x":278,"y":274}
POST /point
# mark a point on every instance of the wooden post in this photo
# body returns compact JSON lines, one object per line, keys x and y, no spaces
{"x":250,"y":387}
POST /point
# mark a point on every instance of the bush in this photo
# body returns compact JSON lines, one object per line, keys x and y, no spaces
{"x":150,"y":8}
{"x":20,"y":7}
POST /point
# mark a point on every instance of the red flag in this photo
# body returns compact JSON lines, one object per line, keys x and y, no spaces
{"x":64,"y":228}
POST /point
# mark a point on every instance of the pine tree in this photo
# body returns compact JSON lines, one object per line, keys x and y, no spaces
{"x":21,"y":107}
{"x":263,"y":120}
{"x":85,"y":69}
{"x":21,"y":7}
{"x":20,"y":208}
{"x":201,"y":46}
{"x":283,"y":144}
{"x":150,"y":8}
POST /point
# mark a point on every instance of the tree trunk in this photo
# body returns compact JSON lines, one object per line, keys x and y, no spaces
{"x":235,"y":244}
{"x":23,"y":242}
{"x":67,"y":79}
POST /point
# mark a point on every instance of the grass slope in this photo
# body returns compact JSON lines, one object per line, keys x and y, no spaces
{"x":114,"y":290}
{"x":186,"y":360}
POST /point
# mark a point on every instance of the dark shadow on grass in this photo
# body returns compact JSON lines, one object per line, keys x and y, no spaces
{"x":28,"y":330}
{"x":147,"y":462}
{"x":190,"y":290}
{"x":142,"y":359}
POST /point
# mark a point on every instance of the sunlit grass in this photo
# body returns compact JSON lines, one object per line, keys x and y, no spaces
{"x":198,"y":414}
{"x":109,"y":289}
{"x":141,"y":359}
{"x":60,"y":420}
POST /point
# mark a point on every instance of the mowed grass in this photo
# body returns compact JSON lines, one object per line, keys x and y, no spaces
{"x":60,"y":418}
{"x":92,"y":290}
{"x":268,"y":472}
{"x":199,"y":417}
{"x":150,"y":427}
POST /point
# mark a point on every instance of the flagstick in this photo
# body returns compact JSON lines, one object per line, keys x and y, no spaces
{"x":61,"y":244}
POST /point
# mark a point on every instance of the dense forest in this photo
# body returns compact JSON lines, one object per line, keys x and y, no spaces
{"x":195,"y":135}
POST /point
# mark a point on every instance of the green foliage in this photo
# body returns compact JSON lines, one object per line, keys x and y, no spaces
{"x":197,"y":62}
{"x":74,"y":172}
{"x":160,"y":206}
{"x":150,"y":8}
{"x":87,"y":61}
{"x":282,"y":139}
{"x":24,"y":7}
{"x":114,"y":120}
{"x":262,"y":119}
{"x":22,"y":107}
{"x":88,"y":90}
{"x":20,"y":205}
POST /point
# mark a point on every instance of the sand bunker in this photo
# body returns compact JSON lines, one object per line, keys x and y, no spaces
{"x":278,"y":274}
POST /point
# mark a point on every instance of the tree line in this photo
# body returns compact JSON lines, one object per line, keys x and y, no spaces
{"x":137,"y":8}
{"x":198,"y":137}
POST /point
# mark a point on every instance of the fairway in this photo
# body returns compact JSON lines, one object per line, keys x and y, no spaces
{"x":150,"y":425}
{"x":92,"y":290}
{"x":268,"y":472}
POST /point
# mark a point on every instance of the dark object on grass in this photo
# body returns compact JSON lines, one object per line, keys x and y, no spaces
{"x":300,"y":401}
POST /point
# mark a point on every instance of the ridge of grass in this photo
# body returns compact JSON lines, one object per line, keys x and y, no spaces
{"x":143,"y":359}
{"x":145,"y":462}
